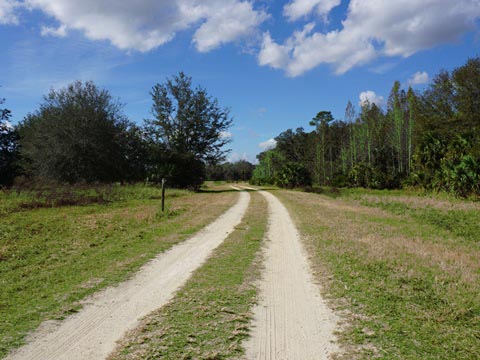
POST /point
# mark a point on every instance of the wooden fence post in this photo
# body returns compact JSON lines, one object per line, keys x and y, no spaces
{"x":163,"y":194}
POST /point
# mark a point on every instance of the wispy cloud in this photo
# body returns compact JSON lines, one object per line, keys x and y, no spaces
{"x":8,"y":13}
{"x":297,"y":9}
{"x":60,"y":31}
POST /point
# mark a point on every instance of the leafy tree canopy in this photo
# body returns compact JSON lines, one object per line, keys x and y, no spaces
{"x":78,"y":134}
{"x":8,"y":148}
{"x":187,"y":120}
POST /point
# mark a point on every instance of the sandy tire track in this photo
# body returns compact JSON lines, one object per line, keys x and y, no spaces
{"x":291,"y":321}
{"x":106,"y":316}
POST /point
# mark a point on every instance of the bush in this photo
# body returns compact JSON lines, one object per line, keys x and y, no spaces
{"x":180,"y":170}
{"x":293,"y":175}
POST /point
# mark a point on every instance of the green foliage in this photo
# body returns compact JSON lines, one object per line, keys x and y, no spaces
{"x":188,"y":120}
{"x":429,"y":139}
{"x":185,"y":133}
{"x":462,"y":177}
{"x":9,"y":152}
{"x":180,"y":170}
{"x":270,"y":163}
{"x":447,"y":166}
{"x":78,"y":134}
{"x":238,"y":171}
{"x":293,"y":175}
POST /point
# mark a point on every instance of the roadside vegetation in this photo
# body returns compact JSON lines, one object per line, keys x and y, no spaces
{"x":209,"y":317}
{"x":59,"y":245}
{"x":429,"y":140}
{"x":402,"y":269}
{"x":79,"y":134}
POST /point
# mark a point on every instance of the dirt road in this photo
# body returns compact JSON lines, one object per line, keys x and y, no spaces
{"x":93,"y":332}
{"x":291,"y":320}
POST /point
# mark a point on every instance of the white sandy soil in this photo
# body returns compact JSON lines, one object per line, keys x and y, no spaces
{"x":291,"y":321}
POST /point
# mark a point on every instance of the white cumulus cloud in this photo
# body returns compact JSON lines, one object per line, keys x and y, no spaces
{"x":372,"y":28}
{"x":297,"y":9}
{"x":369,"y":97}
{"x":7,"y":12}
{"x":419,"y":78}
{"x":269,"y":144}
{"x":146,"y":24}
{"x":232,"y":21}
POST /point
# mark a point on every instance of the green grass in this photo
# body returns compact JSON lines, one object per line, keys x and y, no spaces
{"x":53,"y":256}
{"x":464,"y":225}
{"x":209,"y":317}
{"x":409,"y":277}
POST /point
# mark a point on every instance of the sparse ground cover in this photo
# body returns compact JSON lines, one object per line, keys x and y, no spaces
{"x":405,"y":269}
{"x":54,"y":253}
{"x":209,"y":317}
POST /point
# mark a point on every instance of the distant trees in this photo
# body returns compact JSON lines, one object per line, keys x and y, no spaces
{"x":9,"y":150}
{"x":429,"y":139}
{"x":237,"y":171}
{"x":79,"y":134}
{"x":186,"y":131}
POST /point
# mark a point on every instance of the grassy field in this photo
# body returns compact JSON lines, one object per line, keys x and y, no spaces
{"x":57,"y":247}
{"x":403,"y":269}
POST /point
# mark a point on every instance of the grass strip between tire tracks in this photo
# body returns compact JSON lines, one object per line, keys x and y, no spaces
{"x":209,"y":317}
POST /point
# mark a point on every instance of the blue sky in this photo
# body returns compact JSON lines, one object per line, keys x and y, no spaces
{"x":274,"y":63}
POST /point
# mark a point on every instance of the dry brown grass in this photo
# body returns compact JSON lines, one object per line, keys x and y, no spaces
{"x":418,"y":202}
{"x":384,"y":241}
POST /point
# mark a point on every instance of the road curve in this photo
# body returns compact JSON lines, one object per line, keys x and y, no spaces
{"x":106,"y":316}
{"x":291,"y":321}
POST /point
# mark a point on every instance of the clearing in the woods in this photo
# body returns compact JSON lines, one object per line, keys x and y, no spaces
{"x":350,"y":274}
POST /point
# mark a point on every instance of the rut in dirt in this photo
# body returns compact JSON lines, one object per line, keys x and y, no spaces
{"x":292,"y":320}
{"x":108,"y":315}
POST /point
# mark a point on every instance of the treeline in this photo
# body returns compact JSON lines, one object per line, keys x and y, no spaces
{"x":429,"y":139}
{"x":79,"y":134}
{"x":237,"y":171}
